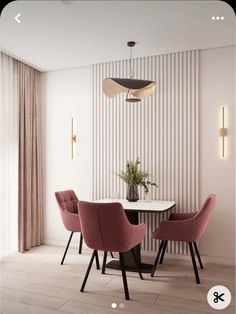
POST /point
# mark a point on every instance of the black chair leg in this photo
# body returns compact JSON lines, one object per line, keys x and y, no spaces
{"x":104,"y":262}
{"x":194,"y":262}
{"x":157,"y":258}
{"x":80,"y":243}
{"x":97,"y":260}
{"x":112,"y":255}
{"x":122,"y":264}
{"x":163,"y":252}
{"x":137,"y":264}
{"x":88,"y":270}
{"x":62,"y":261}
{"x":198,"y":255}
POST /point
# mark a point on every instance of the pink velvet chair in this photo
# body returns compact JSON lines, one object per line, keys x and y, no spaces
{"x":105,"y":227}
{"x":186,"y":227}
{"x":68,"y":205}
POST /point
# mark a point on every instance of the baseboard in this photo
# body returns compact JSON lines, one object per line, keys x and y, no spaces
{"x":207,"y":259}
{"x":74,"y":243}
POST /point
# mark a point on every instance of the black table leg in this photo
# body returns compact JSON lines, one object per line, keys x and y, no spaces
{"x":128,"y":257}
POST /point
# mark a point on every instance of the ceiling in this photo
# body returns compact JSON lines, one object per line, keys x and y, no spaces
{"x":53,"y":35}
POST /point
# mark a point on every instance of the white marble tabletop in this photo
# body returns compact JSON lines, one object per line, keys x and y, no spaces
{"x":142,"y":205}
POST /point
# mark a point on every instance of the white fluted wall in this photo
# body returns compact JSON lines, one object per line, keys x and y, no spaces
{"x":162,"y":130}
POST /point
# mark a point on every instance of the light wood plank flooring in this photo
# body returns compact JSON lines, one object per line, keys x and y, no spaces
{"x":36,"y":283}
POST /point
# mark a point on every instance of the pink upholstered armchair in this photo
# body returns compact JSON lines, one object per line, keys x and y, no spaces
{"x":186,"y":227}
{"x":105,"y":227}
{"x":68,"y":205}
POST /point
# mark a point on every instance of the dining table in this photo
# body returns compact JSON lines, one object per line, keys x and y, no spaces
{"x":132,"y":210}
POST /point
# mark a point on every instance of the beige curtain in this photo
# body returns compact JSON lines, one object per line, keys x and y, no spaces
{"x":30,"y":160}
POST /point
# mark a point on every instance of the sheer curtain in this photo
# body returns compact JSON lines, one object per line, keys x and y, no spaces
{"x":20,"y":163}
{"x":8,"y":155}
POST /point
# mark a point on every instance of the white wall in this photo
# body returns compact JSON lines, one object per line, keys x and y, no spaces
{"x":67,"y":93}
{"x":217,"y":84}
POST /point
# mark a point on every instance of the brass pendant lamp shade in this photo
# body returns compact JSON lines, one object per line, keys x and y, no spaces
{"x":139,"y":89}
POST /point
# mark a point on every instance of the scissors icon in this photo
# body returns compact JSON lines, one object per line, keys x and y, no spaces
{"x":218,"y":297}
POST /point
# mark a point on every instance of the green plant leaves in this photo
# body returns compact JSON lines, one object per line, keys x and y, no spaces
{"x":132,"y":175}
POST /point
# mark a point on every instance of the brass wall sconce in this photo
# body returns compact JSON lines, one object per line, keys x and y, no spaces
{"x":223,"y":132}
{"x":73,"y":138}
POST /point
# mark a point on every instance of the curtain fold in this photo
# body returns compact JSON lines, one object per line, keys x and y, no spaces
{"x":30,"y":222}
{"x":21,"y":156}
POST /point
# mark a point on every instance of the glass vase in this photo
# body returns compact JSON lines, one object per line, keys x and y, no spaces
{"x":132,"y":193}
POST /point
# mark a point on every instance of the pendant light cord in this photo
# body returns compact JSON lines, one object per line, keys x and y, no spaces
{"x":130,"y":64}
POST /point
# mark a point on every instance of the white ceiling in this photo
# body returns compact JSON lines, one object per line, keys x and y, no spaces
{"x":53,"y":35}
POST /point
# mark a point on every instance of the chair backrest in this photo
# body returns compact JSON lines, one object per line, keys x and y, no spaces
{"x":203,"y":215}
{"x":105,"y":226}
{"x":67,"y":200}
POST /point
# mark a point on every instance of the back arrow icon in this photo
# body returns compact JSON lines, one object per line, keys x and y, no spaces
{"x":17,"y":18}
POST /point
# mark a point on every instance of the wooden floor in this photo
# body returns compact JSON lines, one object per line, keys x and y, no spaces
{"x":36,"y":283}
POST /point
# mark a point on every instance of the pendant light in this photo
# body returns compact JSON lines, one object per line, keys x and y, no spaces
{"x":135,"y":89}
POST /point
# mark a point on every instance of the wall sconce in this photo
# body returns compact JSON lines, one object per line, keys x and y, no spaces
{"x":73,"y":138}
{"x":223,"y":132}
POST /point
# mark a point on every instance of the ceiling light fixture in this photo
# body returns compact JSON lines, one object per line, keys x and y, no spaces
{"x":136,"y":89}
{"x":68,"y":1}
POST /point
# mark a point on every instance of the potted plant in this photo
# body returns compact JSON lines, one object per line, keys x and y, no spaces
{"x":134,"y":177}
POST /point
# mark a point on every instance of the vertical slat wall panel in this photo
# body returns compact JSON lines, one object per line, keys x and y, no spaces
{"x":162,"y":130}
